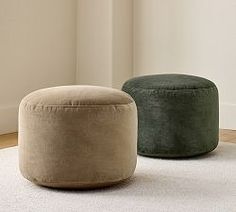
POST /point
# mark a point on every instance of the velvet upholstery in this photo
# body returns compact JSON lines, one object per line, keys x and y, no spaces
{"x":77,"y":136}
{"x":178,"y":114}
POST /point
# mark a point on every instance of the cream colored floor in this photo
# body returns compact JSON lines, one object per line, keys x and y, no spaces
{"x":10,"y":140}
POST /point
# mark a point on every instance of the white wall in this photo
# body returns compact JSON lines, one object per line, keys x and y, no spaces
{"x":55,"y":42}
{"x":37,"y":49}
{"x":94,"y":42}
{"x":189,"y":36}
{"x":122,"y":41}
{"x":104,"y":42}
{"x":46,"y":43}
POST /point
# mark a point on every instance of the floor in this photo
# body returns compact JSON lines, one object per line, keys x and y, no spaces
{"x":10,"y":140}
{"x":206,"y":183}
{"x":228,"y":136}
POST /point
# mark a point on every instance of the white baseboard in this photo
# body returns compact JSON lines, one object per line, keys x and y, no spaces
{"x":228,"y":116}
{"x":8,"y":119}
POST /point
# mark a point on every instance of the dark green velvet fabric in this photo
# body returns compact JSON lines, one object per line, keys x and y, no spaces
{"x":178,"y":114}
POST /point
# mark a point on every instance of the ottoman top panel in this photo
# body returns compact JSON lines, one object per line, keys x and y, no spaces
{"x":169,"y":81}
{"x":77,"y":95}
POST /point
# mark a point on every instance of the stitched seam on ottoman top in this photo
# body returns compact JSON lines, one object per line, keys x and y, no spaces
{"x":169,"y":89}
{"x":166,"y":92}
{"x":83,"y":106}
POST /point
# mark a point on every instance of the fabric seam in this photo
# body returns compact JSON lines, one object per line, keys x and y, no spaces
{"x":169,"y":89}
{"x":98,"y":106}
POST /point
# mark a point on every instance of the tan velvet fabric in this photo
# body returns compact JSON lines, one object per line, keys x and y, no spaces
{"x":77,"y":136}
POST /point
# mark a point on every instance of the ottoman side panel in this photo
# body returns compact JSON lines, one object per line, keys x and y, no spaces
{"x":176,"y":123}
{"x":70,"y":147}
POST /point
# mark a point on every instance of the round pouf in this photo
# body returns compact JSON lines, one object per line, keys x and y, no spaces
{"x":178,"y":114}
{"x":77,"y":136}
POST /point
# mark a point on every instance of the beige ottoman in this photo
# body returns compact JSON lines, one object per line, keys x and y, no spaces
{"x":77,"y":136}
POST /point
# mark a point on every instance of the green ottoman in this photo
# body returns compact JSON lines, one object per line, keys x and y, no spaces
{"x":178,"y":114}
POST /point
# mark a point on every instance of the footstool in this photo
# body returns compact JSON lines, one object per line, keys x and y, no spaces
{"x":77,"y":136}
{"x":178,"y":114}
